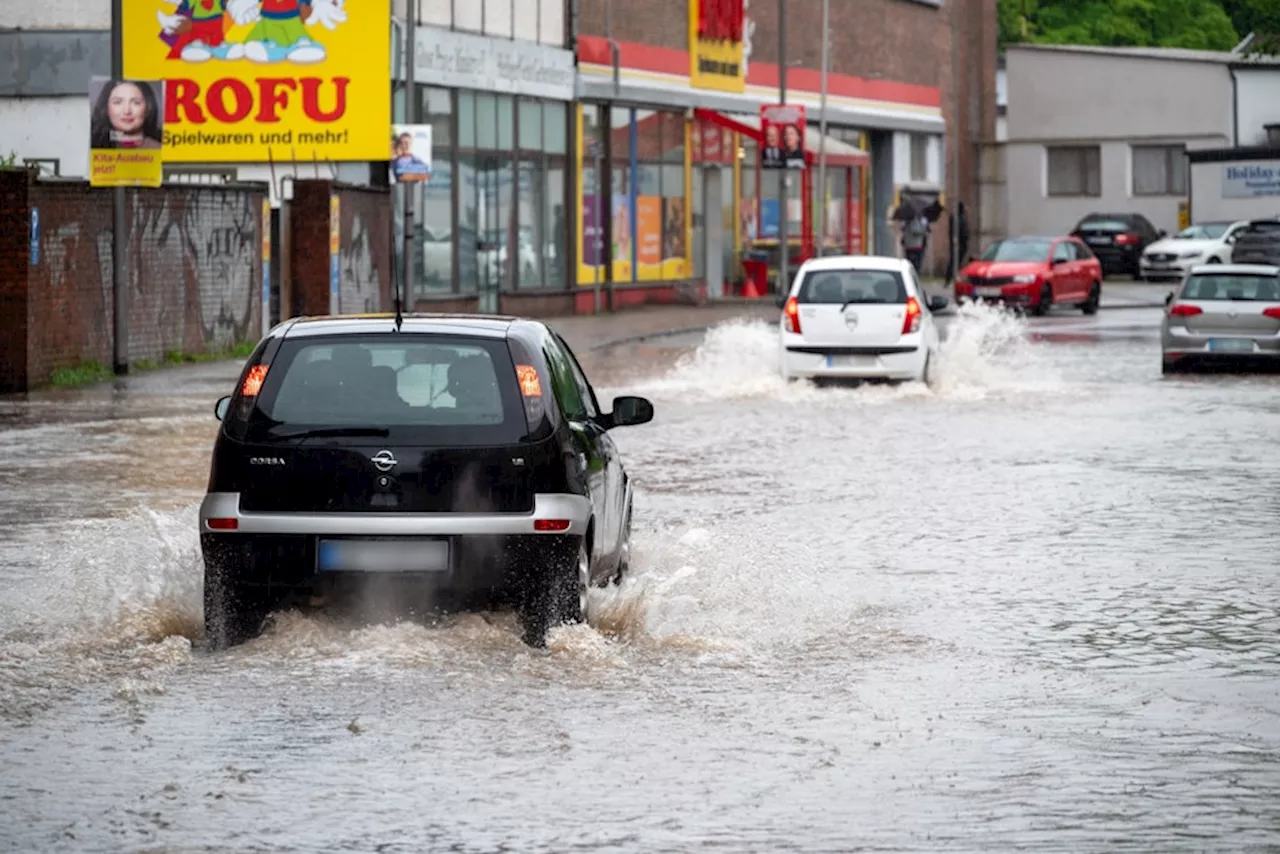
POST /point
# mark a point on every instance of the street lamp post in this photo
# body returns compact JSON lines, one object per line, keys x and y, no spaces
{"x":119,"y":221}
{"x":784,"y":250}
{"x":822,"y":131}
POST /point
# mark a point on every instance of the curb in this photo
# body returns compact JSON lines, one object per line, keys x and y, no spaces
{"x":649,"y":336}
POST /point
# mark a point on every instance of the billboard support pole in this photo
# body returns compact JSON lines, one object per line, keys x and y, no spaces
{"x":411,"y":117}
{"x":119,"y":222}
{"x":784,"y":177}
{"x":822,"y":131}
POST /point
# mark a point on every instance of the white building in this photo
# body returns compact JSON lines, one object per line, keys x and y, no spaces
{"x":1108,"y":130}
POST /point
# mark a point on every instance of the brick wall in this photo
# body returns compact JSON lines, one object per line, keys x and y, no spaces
{"x":195,"y":262}
{"x":896,"y":40}
{"x":365,"y":253}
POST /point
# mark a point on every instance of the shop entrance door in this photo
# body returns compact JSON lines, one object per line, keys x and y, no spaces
{"x":713,"y":232}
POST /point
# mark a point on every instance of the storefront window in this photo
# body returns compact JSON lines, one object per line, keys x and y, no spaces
{"x":622,"y":234}
{"x":465,"y":216}
{"x":555,"y":251}
{"x":648,"y":195}
{"x":592,"y":252}
{"x":531,"y":237}
{"x":433,"y":199}
{"x":676,"y":261}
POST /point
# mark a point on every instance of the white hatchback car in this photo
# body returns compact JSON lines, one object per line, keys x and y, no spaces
{"x":858,"y":317}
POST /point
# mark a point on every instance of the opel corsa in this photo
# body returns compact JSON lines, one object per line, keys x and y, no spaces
{"x":464,"y":457}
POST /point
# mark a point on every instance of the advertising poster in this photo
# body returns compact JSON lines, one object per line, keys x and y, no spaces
{"x":649,"y":238}
{"x":410,"y":153}
{"x":266,"y":266}
{"x":335,"y":251}
{"x":623,"y":234}
{"x":675,"y":251}
{"x":769,"y":227}
{"x":248,"y":81}
{"x":126,"y":132}
{"x":783,"y":127}
{"x":855,"y":227}
{"x":592,"y":231}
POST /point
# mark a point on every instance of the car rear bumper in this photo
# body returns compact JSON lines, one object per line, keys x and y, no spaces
{"x":1166,"y":269}
{"x":576,"y":509}
{"x":1187,"y":348}
{"x":901,"y":362}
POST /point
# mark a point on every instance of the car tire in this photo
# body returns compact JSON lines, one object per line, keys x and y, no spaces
{"x":1091,"y":303}
{"x":1045,"y":302}
{"x":233,"y":613}
{"x":555,"y":592}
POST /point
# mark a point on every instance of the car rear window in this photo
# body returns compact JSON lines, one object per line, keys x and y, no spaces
{"x":423,"y":388}
{"x":1105,"y":225}
{"x":1232,"y":287}
{"x":1017,"y":250}
{"x":840,"y":287}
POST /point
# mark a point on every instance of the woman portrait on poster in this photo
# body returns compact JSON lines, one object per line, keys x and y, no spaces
{"x":125,"y":115}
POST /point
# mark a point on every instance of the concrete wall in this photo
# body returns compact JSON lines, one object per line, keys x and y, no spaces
{"x":195,"y":265}
{"x":1258,"y":96}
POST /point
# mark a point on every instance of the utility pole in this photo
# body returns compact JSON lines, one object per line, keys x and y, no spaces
{"x":411,"y":117}
{"x":119,"y":221}
{"x":953,"y":181}
{"x":822,"y":137}
{"x":784,"y":177}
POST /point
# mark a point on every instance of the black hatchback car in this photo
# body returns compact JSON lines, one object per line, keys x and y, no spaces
{"x":461,"y":458}
{"x":1258,"y":243}
{"x":1118,"y":240}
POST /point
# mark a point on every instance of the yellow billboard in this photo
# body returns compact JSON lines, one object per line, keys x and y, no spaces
{"x":716,"y":52}
{"x":252,"y":80}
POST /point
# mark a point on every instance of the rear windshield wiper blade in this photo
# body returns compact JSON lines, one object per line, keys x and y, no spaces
{"x":320,"y":432}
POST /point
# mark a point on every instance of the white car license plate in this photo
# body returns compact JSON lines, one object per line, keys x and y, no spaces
{"x":988,"y":292}
{"x":1231,"y":345}
{"x":850,"y":361}
{"x":395,"y":555}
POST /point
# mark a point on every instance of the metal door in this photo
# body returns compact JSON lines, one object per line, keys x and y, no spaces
{"x":713,"y":231}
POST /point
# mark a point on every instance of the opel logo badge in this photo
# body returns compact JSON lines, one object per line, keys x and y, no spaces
{"x":384,"y":460}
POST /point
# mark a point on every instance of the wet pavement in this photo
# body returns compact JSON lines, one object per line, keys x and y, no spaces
{"x":1035,"y":608}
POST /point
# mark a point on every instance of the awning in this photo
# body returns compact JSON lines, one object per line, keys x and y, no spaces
{"x":838,"y":153}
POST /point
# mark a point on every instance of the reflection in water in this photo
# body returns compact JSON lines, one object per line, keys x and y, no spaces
{"x":1034,"y":608}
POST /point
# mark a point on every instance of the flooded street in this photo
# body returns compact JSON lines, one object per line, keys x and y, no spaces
{"x":1035,"y":608}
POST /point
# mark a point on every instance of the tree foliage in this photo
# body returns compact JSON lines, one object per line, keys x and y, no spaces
{"x":1194,"y":24}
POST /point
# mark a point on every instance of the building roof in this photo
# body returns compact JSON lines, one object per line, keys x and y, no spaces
{"x":1177,"y":54}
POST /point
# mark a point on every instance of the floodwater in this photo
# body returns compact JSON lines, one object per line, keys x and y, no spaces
{"x":1035,"y":608}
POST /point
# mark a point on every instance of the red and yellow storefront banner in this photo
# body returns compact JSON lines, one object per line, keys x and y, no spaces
{"x":716,"y":50}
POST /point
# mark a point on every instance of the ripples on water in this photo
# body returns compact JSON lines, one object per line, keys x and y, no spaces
{"x":1035,"y":607}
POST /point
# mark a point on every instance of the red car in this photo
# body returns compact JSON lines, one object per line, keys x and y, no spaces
{"x":1034,"y":273}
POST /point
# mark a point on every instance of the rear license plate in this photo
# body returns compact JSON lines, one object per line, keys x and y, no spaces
{"x":850,"y":361}
{"x":988,"y":292}
{"x":1099,"y":240}
{"x":1231,"y":345}
{"x":393,"y":555}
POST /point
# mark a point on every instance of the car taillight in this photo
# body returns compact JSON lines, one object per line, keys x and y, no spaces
{"x":791,"y":311}
{"x":222,"y":524}
{"x":550,"y":525}
{"x":911,"y":323}
{"x":1183,"y":310}
{"x":1272,"y":313}
{"x":253,"y":381}
{"x":1127,"y":239}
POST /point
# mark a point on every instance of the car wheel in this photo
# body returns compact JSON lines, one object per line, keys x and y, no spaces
{"x":1045,"y":302}
{"x":1213,"y":259}
{"x":555,"y":593}
{"x":1090,"y":305}
{"x":233,"y":613}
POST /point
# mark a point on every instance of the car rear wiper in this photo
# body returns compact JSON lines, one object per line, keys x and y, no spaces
{"x":320,"y":432}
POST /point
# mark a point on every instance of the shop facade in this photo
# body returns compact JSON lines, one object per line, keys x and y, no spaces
{"x":489,"y":228}
{"x":670,"y":115}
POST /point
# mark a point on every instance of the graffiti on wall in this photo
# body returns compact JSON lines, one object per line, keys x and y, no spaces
{"x":365,"y":244}
{"x":193,"y":258}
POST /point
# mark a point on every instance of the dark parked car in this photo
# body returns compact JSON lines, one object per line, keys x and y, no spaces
{"x":1117,"y":239}
{"x":464,"y":459}
{"x":1258,"y":243}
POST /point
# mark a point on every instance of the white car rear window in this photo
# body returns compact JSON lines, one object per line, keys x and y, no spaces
{"x":841,"y":287}
{"x":1232,"y":287}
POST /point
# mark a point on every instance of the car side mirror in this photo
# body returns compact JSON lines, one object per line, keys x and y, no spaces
{"x":1057,"y":261}
{"x":630,"y":411}
{"x":1168,"y":298}
{"x":937,"y":302}
{"x":220,"y":408}
{"x":781,"y":301}
{"x":1162,"y":233}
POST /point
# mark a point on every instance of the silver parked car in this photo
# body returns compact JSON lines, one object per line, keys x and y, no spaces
{"x":1225,"y":315}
